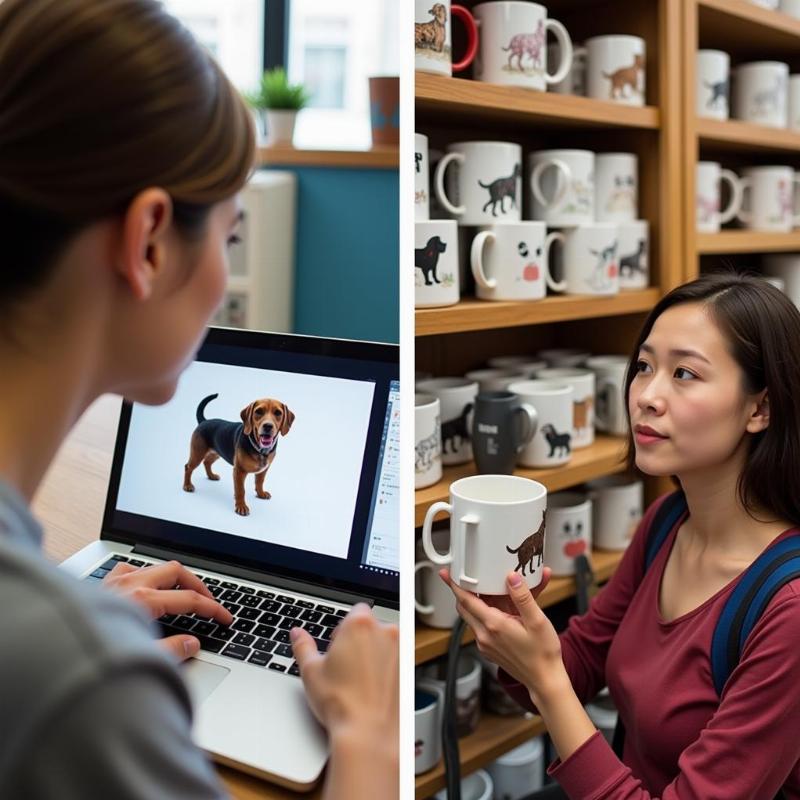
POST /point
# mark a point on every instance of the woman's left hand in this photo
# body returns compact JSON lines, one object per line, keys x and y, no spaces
{"x":524,"y":644}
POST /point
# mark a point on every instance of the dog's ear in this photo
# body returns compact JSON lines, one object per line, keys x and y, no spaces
{"x":288,"y":419}
{"x":247,"y":418}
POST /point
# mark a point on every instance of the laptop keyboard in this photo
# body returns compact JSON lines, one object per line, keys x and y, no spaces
{"x":262,"y":620}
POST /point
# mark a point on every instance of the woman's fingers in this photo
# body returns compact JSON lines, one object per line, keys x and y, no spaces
{"x":121,"y":569}
{"x":181,"y":647}
{"x":181,"y":601}
{"x":172,"y":574}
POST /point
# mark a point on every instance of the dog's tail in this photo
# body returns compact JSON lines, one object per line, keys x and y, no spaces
{"x":202,"y":407}
{"x":512,"y":551}
{"x":485,"y":185}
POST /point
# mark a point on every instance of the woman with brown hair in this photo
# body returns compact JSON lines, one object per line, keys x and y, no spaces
{"x":713,"y":399}
{"x":123,"y":148}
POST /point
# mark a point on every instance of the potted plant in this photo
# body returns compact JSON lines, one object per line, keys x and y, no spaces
{"x":277,"y":102}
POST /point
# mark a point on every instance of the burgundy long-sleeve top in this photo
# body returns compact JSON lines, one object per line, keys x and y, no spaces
{"x":682,"y":740}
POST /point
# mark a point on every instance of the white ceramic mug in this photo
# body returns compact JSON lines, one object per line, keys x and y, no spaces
{"x":477,"y":786}
{"x":433,"y":600}
{"x":769,"y":205}
{"x":562,"y":186}
{"x":551,"y":445}
{"x":583,"y":400}
{"x":616,"y":187}
{"x":569,"y":531}
{"x":511,"y":261}
{"x":615,"y":69}
{"x":427,"y":440}
{"x":785,"y":266}
{"x":435,"y":263}
{"x":497,"y":525}
{"x":575,"y":81}
{"x":791,"y":7}
{"x":564,"y":356}
{"x":588,"y":261}
{"x":713,"y":84}
{"x":709,"y":177}
{"x":760,"y":93}
{"x":428,"y":709}
{"x":610,"y":412}
{"x":512,"y":48}
{"x":617,"y":507}
{"x":794,"y":102}
{"x":433,"y":43}
{"x":520,"y":771}
{"x":485,"y":182}
{"x":494,"y":379}
{"x":634,"y":254}
{"x":422,"y":189}
{"x":525,"y":365}
{"x":457,"y":398}
{"x":468,"y":688}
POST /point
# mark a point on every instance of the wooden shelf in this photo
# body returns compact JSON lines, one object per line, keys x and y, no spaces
{"x":747,"y":30}
{"x":474,"y":315}
{"x":494,"y":736}
{"x":478,"y":100}
{"x":430,"y":643}
{"x":602,"y":457}
{"x":375,"y":158}
{"x":736,"y":135}
{"x":745,"y":241}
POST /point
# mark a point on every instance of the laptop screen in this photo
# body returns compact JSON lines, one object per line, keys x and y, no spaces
{"x":278,"y":453}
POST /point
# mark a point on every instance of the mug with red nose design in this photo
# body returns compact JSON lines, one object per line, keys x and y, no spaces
{"x":510,"y":261}
{"x":568,"y":532}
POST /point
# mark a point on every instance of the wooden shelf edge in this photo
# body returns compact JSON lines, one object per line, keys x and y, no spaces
{"x":513,"y":102}
{"x":745,"y":241}
{"x":734,"y":132}
{"x":494,"y":736}
{"x":748,"y":12}
{"x":603,"y":457}
{"x":473,"y":315}
{"x":431,"y":643}
{"x":375,"y":158}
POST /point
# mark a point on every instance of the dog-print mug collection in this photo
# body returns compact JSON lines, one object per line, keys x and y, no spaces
{"x":519,"y":412}
{"x":590,"y":199}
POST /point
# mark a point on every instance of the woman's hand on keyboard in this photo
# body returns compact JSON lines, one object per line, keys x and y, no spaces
{"x":168,"y":588}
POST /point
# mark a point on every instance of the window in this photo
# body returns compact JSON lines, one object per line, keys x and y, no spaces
{"x":334,"y":46}
{"x":233,"y":31}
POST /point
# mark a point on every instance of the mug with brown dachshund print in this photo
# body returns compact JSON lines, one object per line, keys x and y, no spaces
{"x":615,"y":69}
{"x":433,"y":49}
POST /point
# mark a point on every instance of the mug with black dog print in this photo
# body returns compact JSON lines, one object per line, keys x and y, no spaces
{"x":713,"y":84}
{"x":433,"y":44}
{"x":634,"y":254}
{"x":552,"y":399}
{"x":583,"y":400}
{"x":484,"y":185}
{"x":435,"y":263}
{"x":497,"y":525}
{"x":588,"y":262}
{"x":512,"y":49}
{"x":422,"y":190}
{"x":457,"y":398}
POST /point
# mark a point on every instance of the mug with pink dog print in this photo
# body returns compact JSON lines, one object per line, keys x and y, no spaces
{"x":513,"y":45}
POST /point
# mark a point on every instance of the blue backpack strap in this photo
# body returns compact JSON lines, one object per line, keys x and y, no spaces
{"x":772,"y":570}
{"x":669,"y":512}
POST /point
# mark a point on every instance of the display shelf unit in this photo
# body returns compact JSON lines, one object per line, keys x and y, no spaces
{"x":450,"y":341}
{"x":748,"y":33}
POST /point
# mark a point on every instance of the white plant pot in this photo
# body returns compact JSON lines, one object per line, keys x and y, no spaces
{"x":280,"y":126}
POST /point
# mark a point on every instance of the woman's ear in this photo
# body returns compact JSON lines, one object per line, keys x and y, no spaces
{"x":759,"y":419}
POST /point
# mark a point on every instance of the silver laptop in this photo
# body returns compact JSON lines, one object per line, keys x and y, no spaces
{"x":323,"y":415}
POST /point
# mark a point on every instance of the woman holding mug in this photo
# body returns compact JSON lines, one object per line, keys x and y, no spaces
{"x":123,"y":148}
{"x":713,"y":399}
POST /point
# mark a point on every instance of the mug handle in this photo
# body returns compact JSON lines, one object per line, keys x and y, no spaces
{"x":795,"y":216}
{"x":472,"y":37}
{"x":565,"y":46}
{"x":476,"y":259}
{"x":741,"y":214}
{"x":417,"y":567}
{"x":427,"y":538}
{"x":737,"y":193}
{"x":469,"y":522}
{"x":564,"y":178}
{"x":438,"y":182}
{"x":530,"y":417}
{"x":552,"y":283}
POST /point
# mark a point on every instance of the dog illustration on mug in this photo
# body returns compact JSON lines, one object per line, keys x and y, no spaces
{"x":625,"y":81}
{"x":532,"y":547}
{"x":431,"y":35}
{"x":605,"y":268}
{"x":500,"y":188}
{"x":557,"y":441}
{"x":249,"y":446}
{"x":526,"y":44}
{"x":427,"y":258}
{"x":580,"y":413}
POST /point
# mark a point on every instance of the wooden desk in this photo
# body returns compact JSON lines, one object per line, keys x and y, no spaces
{"x":70,"y":505}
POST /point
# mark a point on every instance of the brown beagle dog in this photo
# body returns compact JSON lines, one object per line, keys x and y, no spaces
{"x":249,"y":445}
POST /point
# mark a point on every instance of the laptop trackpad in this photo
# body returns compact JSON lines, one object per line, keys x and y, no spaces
{"x":202,"y":678}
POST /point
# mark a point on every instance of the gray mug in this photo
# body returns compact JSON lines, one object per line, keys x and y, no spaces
{"x":502,"y":426}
